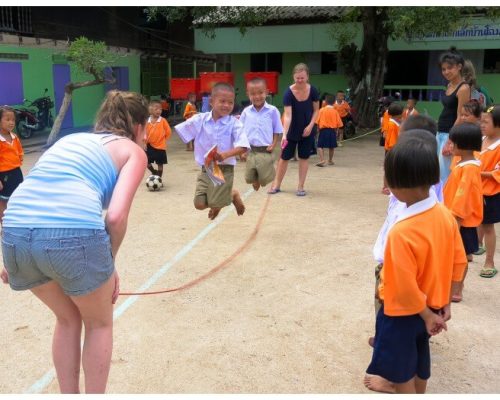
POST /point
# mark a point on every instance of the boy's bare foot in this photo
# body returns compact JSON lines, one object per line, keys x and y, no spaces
{"x":378,"y":384}
{"x":213,"y":213}
{"x":256,"y":186}
{"x":238,"y":203}
{"x":371,"y":341}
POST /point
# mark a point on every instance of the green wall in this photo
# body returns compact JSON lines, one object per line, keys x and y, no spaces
{"x":37,"y":75}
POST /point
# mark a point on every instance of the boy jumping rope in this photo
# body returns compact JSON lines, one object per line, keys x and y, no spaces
{"x":216,"y":127}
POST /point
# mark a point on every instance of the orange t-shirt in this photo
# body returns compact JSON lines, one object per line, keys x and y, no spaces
{"x":407,"y":113}
{"x":490,"y":162}
{"x":463,"y":193}
{"x":11,"y":154}
{"x":392,"y":134}
{"x":342,"y":108}
{"x":158,"y":133}
{"x":328,"y":117}
{"x":423,"y":255}
{"x":189,"y":111}
{"x":385,"y":122}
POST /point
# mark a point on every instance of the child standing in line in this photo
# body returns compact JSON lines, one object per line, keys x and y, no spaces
{"x":329,"y":123}
{"x":391,"y":133}
{"x":410,"y":108}
{"x":463,"y":190}
{"x":344,"y":110}
{"x":262,"y":126}
{"x":157,"y":133}
{"x":424,"y":259}
{"x":189,"y":111}
{"x":490,"y":174}
{"x":11,"y":157}
{"x":216,"y":127}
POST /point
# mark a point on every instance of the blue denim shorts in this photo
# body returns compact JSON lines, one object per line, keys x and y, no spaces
{"x":80,"y":260}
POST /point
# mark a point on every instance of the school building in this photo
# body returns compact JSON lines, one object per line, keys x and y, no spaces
{"x":412,"y":67}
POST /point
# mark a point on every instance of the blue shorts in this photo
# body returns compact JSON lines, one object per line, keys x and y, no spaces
{"x":469,"y":239}
{"x":80,"y":260}
{"x":491,"y":209}
{"x":304,"y":148}
{"x":401,"y":348}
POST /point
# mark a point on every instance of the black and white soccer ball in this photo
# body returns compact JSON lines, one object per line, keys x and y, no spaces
{"x":154,"y":182}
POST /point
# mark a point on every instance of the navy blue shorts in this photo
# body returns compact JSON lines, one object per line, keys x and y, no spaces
{"x":10,"y":181}
{"x":401,"y":348}
{"x":491,"y":209}
{"x":469,"y":239}
{"x":305,"y":147}
{"x":155,"y":155}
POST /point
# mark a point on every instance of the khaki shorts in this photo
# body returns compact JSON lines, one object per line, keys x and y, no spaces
{"x":260,"y":168}
{"x":215,"y":196}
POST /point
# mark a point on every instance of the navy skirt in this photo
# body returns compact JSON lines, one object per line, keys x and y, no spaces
{"x":327,"y":138}
{"x":491,"y":210}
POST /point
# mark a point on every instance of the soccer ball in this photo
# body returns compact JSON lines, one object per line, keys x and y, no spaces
{"x":154,"y":182}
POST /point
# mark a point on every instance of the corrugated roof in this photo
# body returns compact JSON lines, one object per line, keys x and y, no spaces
{"x":230,"y":15}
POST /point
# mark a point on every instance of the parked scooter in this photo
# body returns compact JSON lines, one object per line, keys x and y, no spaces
{"x":35,"y":116}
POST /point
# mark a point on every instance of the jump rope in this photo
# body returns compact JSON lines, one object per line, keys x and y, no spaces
{"x":224,"y":263}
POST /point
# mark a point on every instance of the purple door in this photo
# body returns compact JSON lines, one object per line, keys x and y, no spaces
{"x":62,"y":76}
{"x":121,"y":78}
{"x":11,"y":83}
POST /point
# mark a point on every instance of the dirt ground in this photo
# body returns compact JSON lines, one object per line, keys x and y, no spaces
{"x":292,"y":314}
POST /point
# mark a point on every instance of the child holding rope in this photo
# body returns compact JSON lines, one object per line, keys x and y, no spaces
{"x":216,"y":127}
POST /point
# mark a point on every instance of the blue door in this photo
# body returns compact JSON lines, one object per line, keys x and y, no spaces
{"x":62,"y":76}
{"x":121,"y":78}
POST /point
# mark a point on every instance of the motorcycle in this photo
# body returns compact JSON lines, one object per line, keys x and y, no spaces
{"x":35,"y":116}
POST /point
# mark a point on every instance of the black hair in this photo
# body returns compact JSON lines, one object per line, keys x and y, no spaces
{"x":222,"y":86}
{"x":329,"y":99}
{"x":413,"y":99}
{"x":340,"y":91}
{"x":411,"y":163}
{"x":395,"y":109}
{"x":452,"y":56}
{"x":474,"y":107}
{"x":419,"y":122}
{"x":191,"y":94}
{"x":495,"y":115}
{"x":4,"y":109}
{"x":257,"y":80}
{"x":466,"y":136}
{"x":422,"y":134}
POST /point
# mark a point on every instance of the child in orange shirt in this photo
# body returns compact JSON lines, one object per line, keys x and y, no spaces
{"x":490,"y":174}
{"x":410,"y":108}
{"x":11,"y":157}
{"x":423,"y":259}
{"x":328,"y":123}
{"x":344,"y":110}
{"x":189,"y":111}
{"x":463,"y":192}
{"x":391,"y":133}
{"x":157,"y":133}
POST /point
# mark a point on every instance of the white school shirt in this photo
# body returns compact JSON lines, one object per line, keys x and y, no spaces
{"x":227,"y":133}
{"x":261,"y":125}
{"x":395,"y":209}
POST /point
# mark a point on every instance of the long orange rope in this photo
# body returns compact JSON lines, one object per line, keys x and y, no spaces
{"x":218,"y":267}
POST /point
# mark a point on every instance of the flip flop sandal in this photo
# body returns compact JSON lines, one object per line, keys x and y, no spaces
{"x":300,"y":193}
{"x":488,"y":272}
{"x":320,"y":164}
{"x":273,"y":191}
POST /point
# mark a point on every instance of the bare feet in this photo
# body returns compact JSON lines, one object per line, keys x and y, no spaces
{"x":4,"y":275}
{"x":331,"y":162}
{"x":371,"y":341}
{"x":256,"y":186}
{"x":378,"y":384}
{"x":213,"y":213}
{"x":238,"y":203}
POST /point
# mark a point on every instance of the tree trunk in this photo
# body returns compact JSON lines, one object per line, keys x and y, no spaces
{"x":368,"y":80}
{"x":68,"y":94}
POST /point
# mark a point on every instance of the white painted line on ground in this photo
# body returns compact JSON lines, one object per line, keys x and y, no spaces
{"x":46,"y":379}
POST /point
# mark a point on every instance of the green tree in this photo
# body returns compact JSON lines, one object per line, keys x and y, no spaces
{"x":90,"y":58}
{"x":365,"y":66}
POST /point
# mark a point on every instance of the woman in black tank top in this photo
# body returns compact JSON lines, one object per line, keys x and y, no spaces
{"x":456,"y":95}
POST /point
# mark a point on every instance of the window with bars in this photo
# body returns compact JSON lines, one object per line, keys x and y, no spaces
{"x":15,"y":19}
{"x":14,"y":56}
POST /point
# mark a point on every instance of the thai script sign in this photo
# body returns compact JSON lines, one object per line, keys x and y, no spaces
{"x":472,"y":32}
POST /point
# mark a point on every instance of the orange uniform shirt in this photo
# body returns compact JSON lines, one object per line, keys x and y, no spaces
{"x":158,"y":133}
{"x":490,"y":162}
{"x":407,"y":113}
{"x":328,"y":117}
{"x":11,"y":154}
{"x":385,"y":122}
{"x":463,"y":193}
{"x":190,"y":110}
{"x":342,"y":108}
{"x":392,"y":134}
{"x":423,"y":255}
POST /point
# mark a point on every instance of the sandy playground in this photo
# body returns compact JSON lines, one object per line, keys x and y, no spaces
{"x":292,"y":314}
